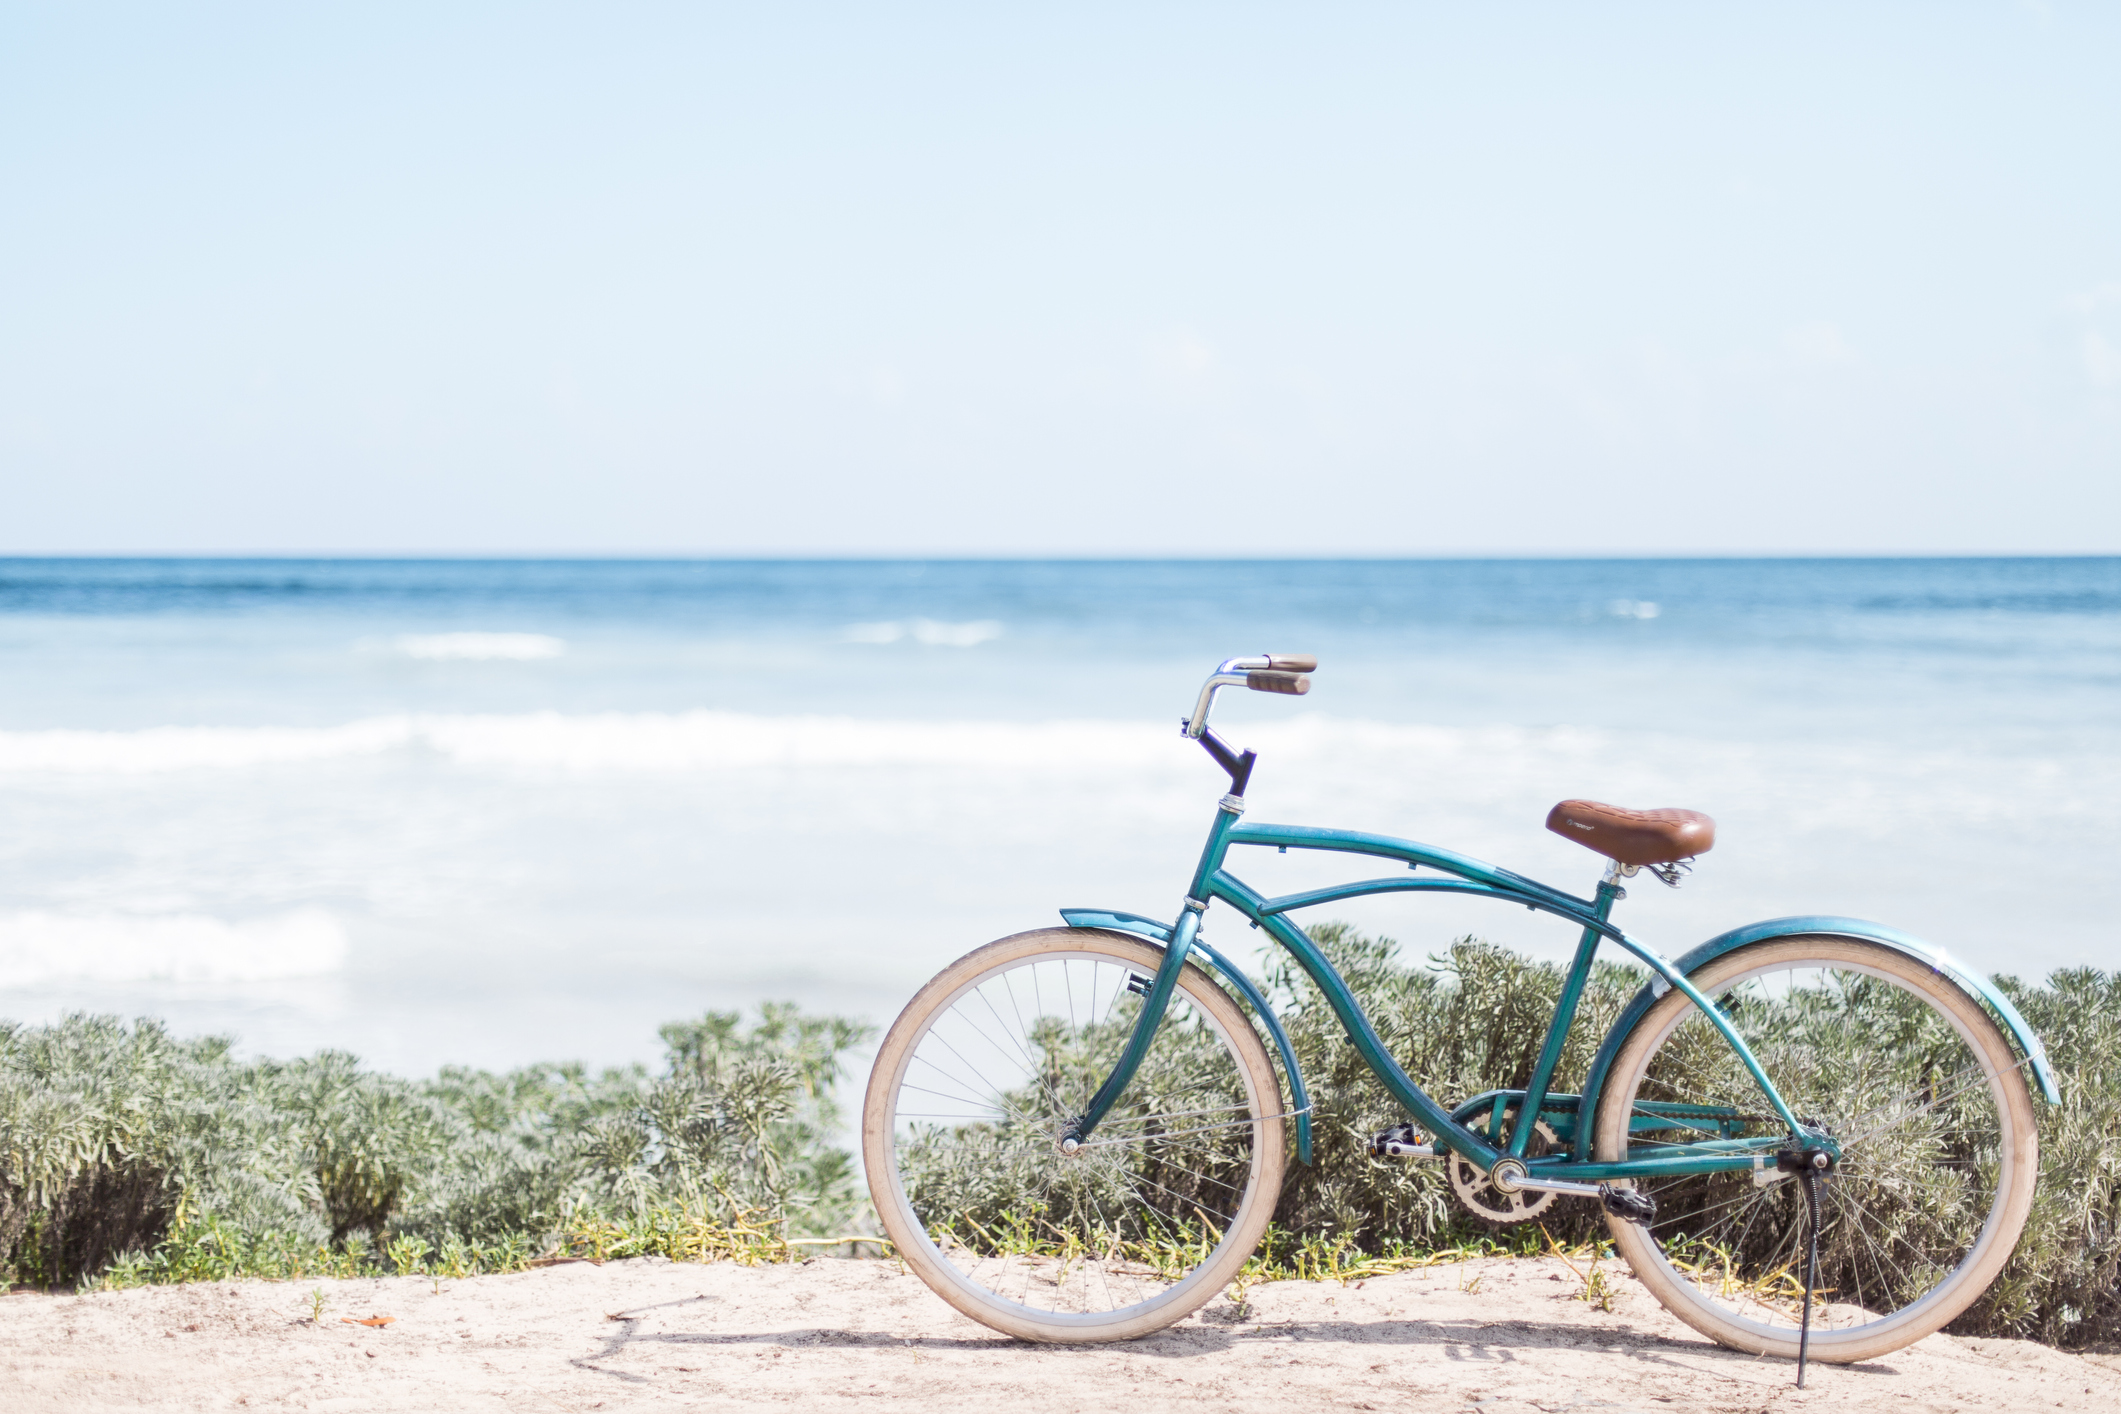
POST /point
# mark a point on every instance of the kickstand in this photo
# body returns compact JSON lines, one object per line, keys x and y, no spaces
{"x":1811,"y":1267}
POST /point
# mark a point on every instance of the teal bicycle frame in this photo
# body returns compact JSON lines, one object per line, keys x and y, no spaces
{"x":1476,"y":1128}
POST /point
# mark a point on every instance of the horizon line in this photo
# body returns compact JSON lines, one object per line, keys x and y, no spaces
{"x":795,"y":556}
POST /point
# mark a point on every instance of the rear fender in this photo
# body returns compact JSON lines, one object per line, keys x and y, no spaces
{"x":1941,"y":962}
{"x":1160,"y":934}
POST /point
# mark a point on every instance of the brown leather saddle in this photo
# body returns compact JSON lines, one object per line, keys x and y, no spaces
{"x":1634,"y":836}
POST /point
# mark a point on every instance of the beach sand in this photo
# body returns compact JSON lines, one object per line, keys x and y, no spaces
{"x":1499,"y":1336}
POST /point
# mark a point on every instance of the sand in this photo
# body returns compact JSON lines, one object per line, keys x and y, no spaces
{"x":1496,"y":1336}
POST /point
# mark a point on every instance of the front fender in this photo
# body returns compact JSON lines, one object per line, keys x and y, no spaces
{"x":1160,"y":934}
{"x":1943,"y":963}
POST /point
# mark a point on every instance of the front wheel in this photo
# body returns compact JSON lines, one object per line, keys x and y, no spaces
{"x":1919,"y":1088}
{"x":961,"y":1133}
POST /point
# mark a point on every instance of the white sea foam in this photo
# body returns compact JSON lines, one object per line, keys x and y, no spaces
{"x":677,"y":841}
{"x":708,"y":741}
{"x":693,"y":741}
{"x":684,"y":741}
{"x":1339,"y":758}
{"x":481,"y":647}
{"x":679,"y":741}
{"x":38,"y":948}
{"x":929,"y":632}
{"x":192,"y":748}
{"x":1492,"y":779}
{"x":697,"y":741}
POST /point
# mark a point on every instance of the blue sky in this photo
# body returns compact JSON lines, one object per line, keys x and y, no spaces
{"x":1366,"y":279}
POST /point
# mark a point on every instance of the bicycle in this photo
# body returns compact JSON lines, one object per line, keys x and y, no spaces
{"x":1078,"y":1133}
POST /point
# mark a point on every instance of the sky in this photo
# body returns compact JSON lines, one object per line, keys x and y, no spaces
{"x":1092,"y":279}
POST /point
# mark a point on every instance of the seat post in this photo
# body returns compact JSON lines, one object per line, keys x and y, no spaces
{"x":1609,"y":884}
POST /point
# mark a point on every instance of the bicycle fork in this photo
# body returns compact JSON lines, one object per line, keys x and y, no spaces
{"x":1154,"y":1003}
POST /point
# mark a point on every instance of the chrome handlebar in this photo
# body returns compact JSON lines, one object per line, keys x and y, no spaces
{"x":1269,"y":672}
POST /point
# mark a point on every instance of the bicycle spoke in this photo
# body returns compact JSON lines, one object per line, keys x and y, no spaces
{"x":1981,"y":1080}
{"x":1167,"y":1134}
{"x":997,"y":1103}
{"x":1030,"y":1066}
{"x":1879,"y":1260}
{"x":945,"y":1042}
{"x":1696,"y":1215}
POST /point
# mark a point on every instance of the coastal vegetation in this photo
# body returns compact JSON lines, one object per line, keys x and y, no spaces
{"x":128,"y":1155}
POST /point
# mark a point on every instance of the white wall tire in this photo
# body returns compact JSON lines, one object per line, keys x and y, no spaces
{"x":980,"y":1067}
{"x":1938,"y":1105}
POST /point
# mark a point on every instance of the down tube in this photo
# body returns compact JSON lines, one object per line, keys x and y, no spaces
{"x":1417,"y":1102}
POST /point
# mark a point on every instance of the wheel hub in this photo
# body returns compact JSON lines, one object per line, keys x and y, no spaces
{"x":1806,"y":1160}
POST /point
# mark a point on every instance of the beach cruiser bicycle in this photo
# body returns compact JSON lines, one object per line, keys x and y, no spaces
{"x":1809,"y":1136}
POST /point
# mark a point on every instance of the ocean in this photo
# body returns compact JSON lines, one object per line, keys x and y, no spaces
{"x":496,"y":811}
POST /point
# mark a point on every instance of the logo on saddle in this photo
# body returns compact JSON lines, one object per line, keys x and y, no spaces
{"x":1649,"y":838}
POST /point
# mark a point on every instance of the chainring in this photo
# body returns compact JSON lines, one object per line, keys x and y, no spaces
{"x":1485,"y":1201}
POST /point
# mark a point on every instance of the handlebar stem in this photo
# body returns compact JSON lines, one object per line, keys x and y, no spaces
{"x":1237,"y":764}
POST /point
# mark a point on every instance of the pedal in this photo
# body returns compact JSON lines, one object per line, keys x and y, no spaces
{"x":1402,"y":1141}
{"x":1627,"y":1204}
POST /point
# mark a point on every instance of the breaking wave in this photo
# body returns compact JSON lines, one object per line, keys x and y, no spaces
{"x":610,"y":741}
{"x":195,"y":748}
{"x":683,"y":741}
{"x":928,"y":632}
{"x":480,"y":647}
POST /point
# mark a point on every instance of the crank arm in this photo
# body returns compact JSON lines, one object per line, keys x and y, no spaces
{"x":1510,"y":1176}
{"x":1557,"y":1185}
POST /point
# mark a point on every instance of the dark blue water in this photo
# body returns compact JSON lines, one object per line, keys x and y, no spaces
{"x":1931,"y":646}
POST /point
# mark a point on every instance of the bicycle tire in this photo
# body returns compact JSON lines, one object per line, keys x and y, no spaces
{"x":1939,"y":1161}
{"x":1205,"y":1061}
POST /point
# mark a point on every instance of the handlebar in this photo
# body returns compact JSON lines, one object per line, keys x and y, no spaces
{"x":1269,"y":672}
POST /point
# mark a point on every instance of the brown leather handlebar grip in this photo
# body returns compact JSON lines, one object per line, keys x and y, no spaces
{"x":1295,"y":685}
{"x":1292,"y":663}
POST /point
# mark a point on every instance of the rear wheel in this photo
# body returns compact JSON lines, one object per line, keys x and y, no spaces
{"x":1924,"y":1095}
{"x":961,"y":1132}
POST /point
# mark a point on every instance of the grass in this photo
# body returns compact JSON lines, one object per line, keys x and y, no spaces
{"x":1597,"y":1290}
{"x":130,"y":1156}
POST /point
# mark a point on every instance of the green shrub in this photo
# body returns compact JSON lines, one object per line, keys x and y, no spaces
{"x":127,"y":1155}
{"x":126,"y":1151}
{"x":101,"y":1126}
{"x":2063,"y":1286}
